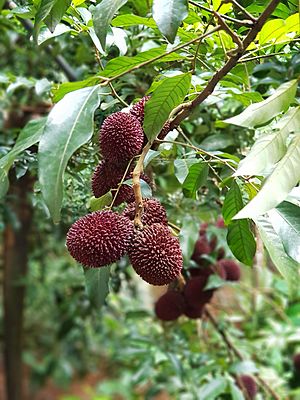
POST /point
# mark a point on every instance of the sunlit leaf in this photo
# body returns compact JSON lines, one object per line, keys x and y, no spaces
{"x":260,"y":113}
{"x":69,"y":126}
{"x":197,"y":177}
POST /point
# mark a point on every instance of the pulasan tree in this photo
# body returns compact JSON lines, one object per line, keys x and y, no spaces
{"x":162,"y":67}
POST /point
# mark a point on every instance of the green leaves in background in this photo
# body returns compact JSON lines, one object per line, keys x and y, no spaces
{"x":213,"y":389}
{"x":69,"y":126}
{"x":169,"y":15}
{"x":122,"y":64}
{"x":196,"y":177}
{"x":182,"y":166}
{"x":277,"y":186}
{"x":168,"y":95}
{"x":51,"y":12}
{"x":240,"y":239}
{"x":260,"y":113}
{"x":102,"y":15}
{"x":127,"y":20}
{"x":29,"y":136}
{"x":96,"y":282}
{"x":287,"y":267}
{"x":285,"y":219}
{"x":269,"y":149}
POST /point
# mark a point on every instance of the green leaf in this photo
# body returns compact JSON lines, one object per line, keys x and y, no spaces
{"x":169,"y":15}
{"x":123,"y":64}
{"x":127,"y":20}
{"x":60,"y":91}
{"x":182,"y":168}
{"x":56,"y":13}
{"x":277,"y":186}
{"x":260,"y":113}
{"x":196,"y":178}
{"x":271,"y":31}
{"x":29,"y":135}
{"x":287,"y":267}
{"x":213,"y":389}
{"x":97,"y":204}
{"x":240,"y":239}
{"x":168,"y":95}
{"x":42,"y":12}
{"x":235,"y":391}
{"x":285,"y":219}
{"x":45,"y":34}
{"x":96,"y":281}
{"x":188,"y":236}
{"x":268,"y":150}
{"x":69,"y":126}
{"x":102,"y":15}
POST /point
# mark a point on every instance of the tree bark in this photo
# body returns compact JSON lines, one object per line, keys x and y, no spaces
{"x":16,"y":246}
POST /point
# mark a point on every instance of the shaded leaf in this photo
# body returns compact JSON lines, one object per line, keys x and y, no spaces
{"x":197,"y":177}
{"x":96,"y":281}
{"x":45,"y":34}
{"x":97,"y":204}
{"x":235,"y":391}
{"x":182,"y":168}
{"x":213,"y":389}
{"x":285,"y":219}
{"x":29,"y":135}
{"x":260,"y":113}
{"x":287,"y":267}
{"x":69,"y":126}
{"x":168,"y":95}
{"x":269,"y":149}
{"x":56,"y":13}
{"x":127,"y":20}
{"x":60,"y":91}
{"x":277,"y":186}
{"x":169,"y":15}
{"x":102,"y":15}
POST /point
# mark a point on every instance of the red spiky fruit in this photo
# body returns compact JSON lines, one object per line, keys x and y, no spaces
{"x":169,"y":306}
{"x":106,"y":176}
{"x":121,"y":137}
{"x":138,"y":109}
{"x":206,"y":271}
{"x":248,"y":385}
{"x":125,"y":193}
{"x":201,"y":248}
{"x":156,"y":255}
{"x":193,"y":312}
{"x":232,"y":269}
{"x":220,"y":223}
{"x":203,"y":228}
{"x":220,"y":253}
{"x":194,"y":292}
{"x":296,"y":361}
{"x":99,"y":238}
{"x":153,"y":212}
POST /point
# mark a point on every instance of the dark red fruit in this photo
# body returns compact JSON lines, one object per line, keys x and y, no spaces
{"x":153,"y":213}
{"x":125,"y":193}
{"x":169,"y":306}
{"x":220,"y":223}
{"x":202,"y":247}
{"x":99,"y":238}
{"x":232,"y":269}
{"x":220,"y":253}
{"x":106,"y":176}
{"x":193,"y":312}
{"x":138,"y":109}
{"x":247,"y":384}
{"x":194,"y":292}
{"x":203,"y":228}
{"x":208,"y":270}
{"x":156,"y":255}
{"x":296,"y":361}
{"x":121,"y":137}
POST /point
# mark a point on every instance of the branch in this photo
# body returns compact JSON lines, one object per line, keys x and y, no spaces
{"x":236,"y":351}
{"x":231,"y":63}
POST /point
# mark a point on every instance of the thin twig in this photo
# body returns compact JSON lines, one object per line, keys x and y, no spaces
{"x":243,"y":60}
{"x":120,"y":184}
{"x":241,"y":8}
{"x":226,"y":28}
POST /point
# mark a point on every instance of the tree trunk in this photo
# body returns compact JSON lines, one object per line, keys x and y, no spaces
{"x":16,"y":243}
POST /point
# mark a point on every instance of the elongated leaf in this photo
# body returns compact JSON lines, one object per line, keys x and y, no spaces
{"x":169,"y":15}
{"x":69,"y":126}
{"x":168,"y":95}
{"x":278,"y":185}
{"x":60,"y":91}
{"x":213,"y":389}
{"x":45,"y":34}
{"x":42,"y":12}
{"x":260,"y":113}
{"x":96,"y":281}
{"x":122,"y":64}
{"x":102,"y":15}
{"x":240,"y":239}
{"x":182,"y":168}
{"x":287,"y":267}
{"x":235,"y":391}
{"x":56,"y":13}
{"x":285,"y":219}
{"x":269,"y":149}
{"x":29,"y":135}
{"x":196,"y":178}
{"x":127,"y":20}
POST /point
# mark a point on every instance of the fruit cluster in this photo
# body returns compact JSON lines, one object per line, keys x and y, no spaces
{"x":193,"y":297}
{"x":103,"y":237}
